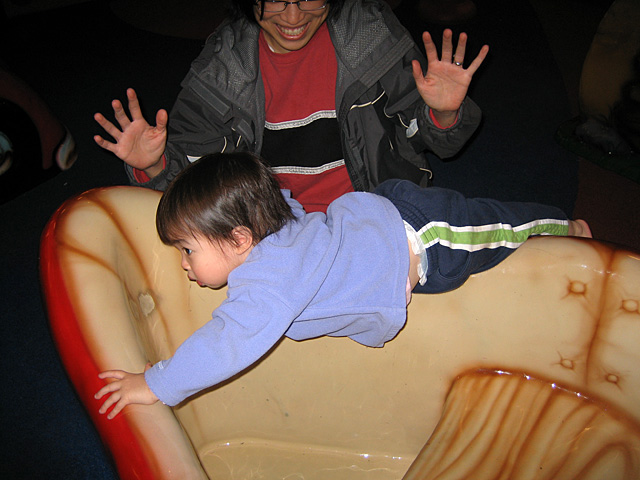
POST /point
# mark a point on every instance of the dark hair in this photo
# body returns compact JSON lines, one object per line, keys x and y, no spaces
{"x":244,"y":8}
{"x":218,"y":193}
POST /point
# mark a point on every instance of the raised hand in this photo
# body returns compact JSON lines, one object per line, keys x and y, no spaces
{"x":136,"y":142}
{"x":446,"y":82}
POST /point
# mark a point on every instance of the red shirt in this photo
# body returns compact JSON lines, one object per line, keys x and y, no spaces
{"x":302,"y":139}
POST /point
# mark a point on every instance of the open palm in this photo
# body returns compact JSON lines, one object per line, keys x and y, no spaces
{"x":446,"y":82}
{"x":136,"y":142}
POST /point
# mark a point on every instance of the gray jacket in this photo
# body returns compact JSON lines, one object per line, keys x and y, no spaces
{"x":385,"y":126}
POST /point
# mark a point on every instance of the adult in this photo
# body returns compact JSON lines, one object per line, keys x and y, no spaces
{"x":330,"y":92}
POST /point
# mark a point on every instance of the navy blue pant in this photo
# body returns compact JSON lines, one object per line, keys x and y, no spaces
{"x":466,"y":236}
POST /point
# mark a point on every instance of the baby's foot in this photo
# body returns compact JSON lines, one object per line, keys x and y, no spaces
{"x":580,"y":229}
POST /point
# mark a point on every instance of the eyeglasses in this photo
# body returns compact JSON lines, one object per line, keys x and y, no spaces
{"x":276,"y":6}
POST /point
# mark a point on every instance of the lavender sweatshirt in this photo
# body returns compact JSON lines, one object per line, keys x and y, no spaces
{"x":342,"y":274}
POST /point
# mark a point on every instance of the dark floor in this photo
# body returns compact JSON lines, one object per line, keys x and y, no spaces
{"x":81,"y":55}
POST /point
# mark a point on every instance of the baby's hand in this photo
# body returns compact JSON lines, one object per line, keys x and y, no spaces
{"x":127,"y":388}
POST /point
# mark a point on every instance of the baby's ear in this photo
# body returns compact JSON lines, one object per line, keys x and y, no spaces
{"x":242,"y":239}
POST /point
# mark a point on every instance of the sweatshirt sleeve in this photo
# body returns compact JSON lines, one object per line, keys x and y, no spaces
{"x":241,"y":331}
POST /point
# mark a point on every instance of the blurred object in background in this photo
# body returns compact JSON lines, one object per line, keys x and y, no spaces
{"x":607,"y":130}
{"x":34,"y":144}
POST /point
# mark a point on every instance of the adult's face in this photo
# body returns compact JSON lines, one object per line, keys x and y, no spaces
{"x":291,"y":29}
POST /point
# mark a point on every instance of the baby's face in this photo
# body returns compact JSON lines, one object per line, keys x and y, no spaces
{"x":207,"y":263}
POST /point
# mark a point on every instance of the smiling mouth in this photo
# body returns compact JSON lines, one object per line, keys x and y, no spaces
{"x":292,"y":33}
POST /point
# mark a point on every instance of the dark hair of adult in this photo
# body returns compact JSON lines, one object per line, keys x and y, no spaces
{"x":245,"y":8}
{"x":218,"y":193}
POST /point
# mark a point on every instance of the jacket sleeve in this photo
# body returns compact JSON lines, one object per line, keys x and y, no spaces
{"x":446,"y":142}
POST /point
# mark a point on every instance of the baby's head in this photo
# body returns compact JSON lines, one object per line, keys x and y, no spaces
{"x":216,"y":194}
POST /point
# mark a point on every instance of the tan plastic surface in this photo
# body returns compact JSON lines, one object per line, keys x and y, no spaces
{"x":529,"y":370}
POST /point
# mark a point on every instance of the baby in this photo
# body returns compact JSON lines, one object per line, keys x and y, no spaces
{"x":349,"y":272}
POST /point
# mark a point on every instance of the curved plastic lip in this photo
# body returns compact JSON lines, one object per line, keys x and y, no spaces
{"x":78,"y":360}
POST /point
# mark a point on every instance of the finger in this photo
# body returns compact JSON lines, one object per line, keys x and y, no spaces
{"x":101,"y":393}
{"x":447,"y":45}
{"x":162,"y":118}
{"x":117,"y":409}
{"x":429,"y":47}
{"x":461,"y":48}
{"x":120,"y":114}
{"x":111,"y":399}
{"x":416,"y":69}
{"x":117,"y":374}
{"x":109,"y":388}
{"x":478,"y":60}
{"x":134,"y":104}
{"x":108,"y":127}
{"x":103,"y":143}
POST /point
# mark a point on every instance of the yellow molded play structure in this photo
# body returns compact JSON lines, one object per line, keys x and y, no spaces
{"x":530,"y":370}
